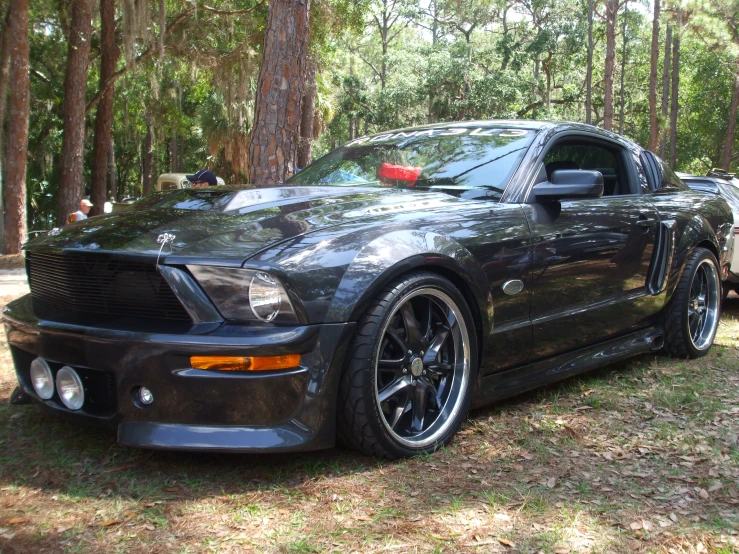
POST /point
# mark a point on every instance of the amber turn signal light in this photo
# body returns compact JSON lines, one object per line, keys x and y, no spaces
{"x":245,"y":363}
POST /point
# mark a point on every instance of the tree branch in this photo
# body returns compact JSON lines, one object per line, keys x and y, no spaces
{"x":538,"y":103}
{"x":152,"y":47}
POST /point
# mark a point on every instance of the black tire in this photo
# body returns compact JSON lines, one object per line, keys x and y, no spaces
{"x":693,"y":313}
{"x":413,"y":401}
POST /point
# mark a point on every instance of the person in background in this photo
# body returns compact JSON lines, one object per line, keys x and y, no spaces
{"x":81,"y":214}
{"x":203,"y":178}
{"x":108,"y":206}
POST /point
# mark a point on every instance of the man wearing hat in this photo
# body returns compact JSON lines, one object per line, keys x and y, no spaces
{"x":203,"y":178}
{"x":81,"y":214}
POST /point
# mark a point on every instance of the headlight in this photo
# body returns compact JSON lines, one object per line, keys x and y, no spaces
{"x":42,"y":379}
{"x":246,"y":294}
{"x":69,"y":385}
{"x":265,"y":296}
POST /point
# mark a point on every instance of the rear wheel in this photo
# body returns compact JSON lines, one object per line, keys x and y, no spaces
{"x":693,"y":313}
{"x":408,"y":385}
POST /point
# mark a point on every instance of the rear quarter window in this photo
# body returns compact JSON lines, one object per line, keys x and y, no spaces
{"x":660,"y":177}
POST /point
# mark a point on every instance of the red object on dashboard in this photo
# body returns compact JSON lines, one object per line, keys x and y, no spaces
{"x":394,"y":172}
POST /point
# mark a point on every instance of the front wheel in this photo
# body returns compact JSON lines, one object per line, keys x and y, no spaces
{"x":408,"y":384}
{"x":693,"y":313}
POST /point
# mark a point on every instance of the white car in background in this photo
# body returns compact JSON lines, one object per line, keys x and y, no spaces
{"x":727,"y":186}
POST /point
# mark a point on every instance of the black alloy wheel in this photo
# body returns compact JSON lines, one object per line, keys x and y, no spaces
{"x":408,"y":386}
{"x":693,"y":313}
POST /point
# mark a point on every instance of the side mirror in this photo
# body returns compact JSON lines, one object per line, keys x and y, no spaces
{"x":570,"y":183}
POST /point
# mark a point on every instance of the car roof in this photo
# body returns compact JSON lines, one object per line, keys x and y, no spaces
{"x":527,"y":124}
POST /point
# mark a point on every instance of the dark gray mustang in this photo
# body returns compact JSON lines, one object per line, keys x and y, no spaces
{"x":384,"y":290}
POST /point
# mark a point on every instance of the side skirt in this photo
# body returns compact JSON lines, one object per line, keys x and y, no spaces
{"x":517,"y":380}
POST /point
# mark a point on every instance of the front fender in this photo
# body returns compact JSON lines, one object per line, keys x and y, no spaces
{"x":398,"y":252}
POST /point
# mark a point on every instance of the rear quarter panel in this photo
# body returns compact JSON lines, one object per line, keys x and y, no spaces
{"x":700,"y":219}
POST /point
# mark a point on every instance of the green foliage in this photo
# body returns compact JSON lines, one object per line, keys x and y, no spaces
{"x":381,"y":64}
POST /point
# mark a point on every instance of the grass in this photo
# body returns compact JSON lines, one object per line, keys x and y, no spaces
{"x":640,"y":456}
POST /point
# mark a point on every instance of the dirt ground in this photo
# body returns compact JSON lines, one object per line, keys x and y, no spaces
{"x":636,"y":457}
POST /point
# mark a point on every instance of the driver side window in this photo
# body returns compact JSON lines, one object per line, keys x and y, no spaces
{"x":570,"y":154}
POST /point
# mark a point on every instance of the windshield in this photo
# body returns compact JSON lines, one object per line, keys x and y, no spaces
{"x":451,"y":159}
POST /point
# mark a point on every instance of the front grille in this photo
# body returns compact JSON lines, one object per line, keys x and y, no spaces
{"x":98,"y":286}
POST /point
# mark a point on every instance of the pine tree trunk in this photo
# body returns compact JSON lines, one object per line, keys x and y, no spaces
{"x":147,"y":159}
{"x":653,"y":62}
{"x":112,"y":184}
{"x":589,"y":69}
{"x":71,"y":185}
{"x":181,"y":164}
{"x":665,"y":90}
{"x":4,"y":80}
{"x":307,"y":116}
{"x":104,"y":116}
{"x":18,"y":113}
{"x":611,"y":9}
{"x":622,"y":92}
{"x":175,"y":153}
{"x":273,"y":148}
{"x":675,"y":101}
{"x":729,"y":144}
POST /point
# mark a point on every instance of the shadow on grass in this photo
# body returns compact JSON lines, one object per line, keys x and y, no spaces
{"x":44,"y":457}
{"x":43,"y":451}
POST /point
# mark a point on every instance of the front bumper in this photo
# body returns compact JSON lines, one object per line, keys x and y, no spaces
{"x":192,"y":409}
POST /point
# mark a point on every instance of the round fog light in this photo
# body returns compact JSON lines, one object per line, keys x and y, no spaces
{"x":70,"y":388}
{"x":42,"y":379}
{"x":145,"y":396}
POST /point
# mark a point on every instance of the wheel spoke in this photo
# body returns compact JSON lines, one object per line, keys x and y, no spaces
{"x":399,"y":410}
{"x":435,"y":400}
{"x":413,"y":331}
{"x":394,"y":388}
{"x":436,"y":343}
{"x":420,"y":393}
{"x":391,"y":364}
{"x":439,"y":369}
{"x":398,"y":340}
{"x":427,"y":324}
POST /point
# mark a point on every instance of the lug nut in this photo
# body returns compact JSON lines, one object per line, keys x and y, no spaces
{"x":405,"y":370}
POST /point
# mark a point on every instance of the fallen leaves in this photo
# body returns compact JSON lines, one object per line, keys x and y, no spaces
{"x":109,"y":522}
{"x":506,"y":542}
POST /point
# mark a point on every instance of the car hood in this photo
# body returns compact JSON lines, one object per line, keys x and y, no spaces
{"x":232,"y":225}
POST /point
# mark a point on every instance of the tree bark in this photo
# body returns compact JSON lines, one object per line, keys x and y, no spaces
{"x":611,"y":9}
{"x":4,"y":73}
{"x":148,"y":158}
{"x":175,"y":153}
{"x":71,"y":185}
{"x":307,"y":116}
{"x":674,"y":101}
{"x":112,"y":184}
{"x":104,"y":117}
{"x":729,"y":144}
{"x":273,"y":148}
{"x":18,"y":113}
{"x":622,"y":92}
{"x":653,"y":62}
{"x":589,"y":69}
{"x":665,"y":90}
{"x":4,"y":80}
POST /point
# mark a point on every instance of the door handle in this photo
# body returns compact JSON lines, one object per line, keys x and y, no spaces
{"x":648,"y":222}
